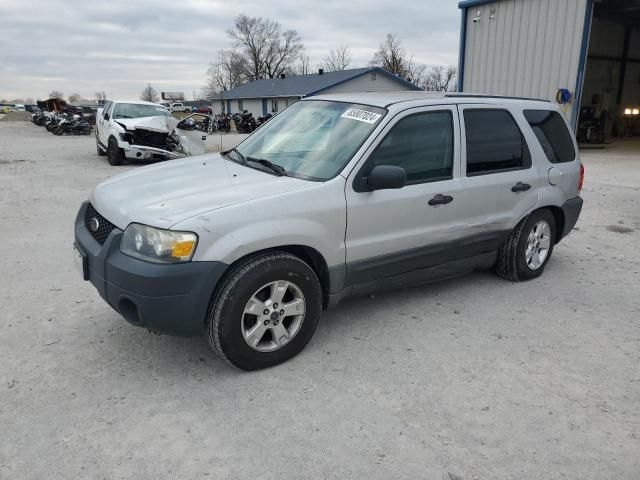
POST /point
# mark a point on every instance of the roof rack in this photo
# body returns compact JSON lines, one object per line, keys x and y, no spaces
{"x":481,"y":95}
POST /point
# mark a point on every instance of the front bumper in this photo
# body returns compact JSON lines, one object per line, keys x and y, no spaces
{"x":141,"y":152}
{"x":167,"y":298}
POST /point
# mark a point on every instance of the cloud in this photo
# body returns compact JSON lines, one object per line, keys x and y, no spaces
{"x":118,"y":46}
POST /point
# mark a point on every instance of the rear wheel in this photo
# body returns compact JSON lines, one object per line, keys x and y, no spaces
{"x":528,"y":248}
{"x":114,"y":153}
{"x":265,"y":311}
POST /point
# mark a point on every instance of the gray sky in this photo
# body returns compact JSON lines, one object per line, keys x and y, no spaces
{"x":119,"y":46}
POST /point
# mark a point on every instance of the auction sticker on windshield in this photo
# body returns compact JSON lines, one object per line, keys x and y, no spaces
{"x":361,"y":115}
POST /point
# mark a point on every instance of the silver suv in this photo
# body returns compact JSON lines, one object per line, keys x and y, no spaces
{"x":337,"y":196}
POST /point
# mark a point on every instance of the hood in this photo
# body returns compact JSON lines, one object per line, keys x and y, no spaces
{"x":164,"y":194}
{"x":155,"y":124}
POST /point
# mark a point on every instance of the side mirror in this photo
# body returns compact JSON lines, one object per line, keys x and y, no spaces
{"x":384,"y":177}
{"x":106,"y":116}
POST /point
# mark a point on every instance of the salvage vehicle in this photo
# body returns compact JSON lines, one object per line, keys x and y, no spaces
{"x":144,"y":131}
{"x":338,"y":195}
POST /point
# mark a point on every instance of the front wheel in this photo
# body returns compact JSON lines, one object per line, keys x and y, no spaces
{"x":528,"y":248}
{"x":114,"y":153}
{"x":265,"y":311}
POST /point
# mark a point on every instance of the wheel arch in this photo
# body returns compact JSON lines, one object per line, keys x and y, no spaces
{"x":307,"y":254}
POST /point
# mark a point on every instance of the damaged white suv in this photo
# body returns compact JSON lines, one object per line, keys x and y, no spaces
{"x":138,"y":130}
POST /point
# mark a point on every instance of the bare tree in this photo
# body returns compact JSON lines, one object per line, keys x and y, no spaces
{"x":338,"y":59}
{"x":440,"y":78}
{"x":304,"y":67}
{"x":101,"y":96}
{"x":56,"y":94}
{"x":149,"y":94}
{"x":74,"y":97}
{"x":228,"y":71}
{"x":283,"y":51}
{"x":391,"y":56}
{"x":267,"y":49}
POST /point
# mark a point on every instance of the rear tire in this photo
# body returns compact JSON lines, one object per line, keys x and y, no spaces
{"x":528,"y":248}
{"x":114,"y":153}
{"x":257,"y":281}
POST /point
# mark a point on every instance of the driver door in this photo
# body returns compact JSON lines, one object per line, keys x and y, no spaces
{"x":394,"y":231}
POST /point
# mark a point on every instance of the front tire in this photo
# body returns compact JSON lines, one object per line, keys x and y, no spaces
{"x":265,"y":311}
{"x":527,"y":250}
{"x":114,"y":153}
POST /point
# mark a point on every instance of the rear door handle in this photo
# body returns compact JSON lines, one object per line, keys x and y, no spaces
{"x":520,"y":187}
{"x":440,"y":199}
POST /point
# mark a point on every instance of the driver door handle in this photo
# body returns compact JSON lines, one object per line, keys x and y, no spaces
{"x":440,"y":199}
{"x":520,"y":187}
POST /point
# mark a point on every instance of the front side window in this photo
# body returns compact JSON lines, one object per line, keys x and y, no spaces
{"x":135,"y":110}
{"x":494,"y":142}
{"x":422,"y":144}
{"x":312,"y":139}
{"x":553,"y":135}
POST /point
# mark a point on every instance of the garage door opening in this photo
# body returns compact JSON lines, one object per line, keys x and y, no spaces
{"x":610,"y":100}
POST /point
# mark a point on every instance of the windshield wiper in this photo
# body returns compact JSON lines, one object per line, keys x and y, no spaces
{"x":274,"y":167}
{"x":243,"y":161}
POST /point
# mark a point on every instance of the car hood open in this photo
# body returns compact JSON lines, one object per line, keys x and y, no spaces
{"x":164,"y":194}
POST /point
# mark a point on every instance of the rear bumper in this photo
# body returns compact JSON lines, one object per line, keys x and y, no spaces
{"x":167,"y":298}
{"x":571,"y":211}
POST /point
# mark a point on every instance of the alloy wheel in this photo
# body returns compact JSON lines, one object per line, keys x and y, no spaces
{"x":538,"y":244}
{"x":273,"y":316}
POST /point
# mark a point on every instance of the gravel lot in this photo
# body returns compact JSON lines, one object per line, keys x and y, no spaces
{"x":472,"y":378}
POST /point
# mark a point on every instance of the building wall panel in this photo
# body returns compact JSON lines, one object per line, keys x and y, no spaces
{"x":526,"y":48}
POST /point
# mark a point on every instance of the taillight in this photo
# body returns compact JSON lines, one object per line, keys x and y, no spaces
{"x":581,"y":178}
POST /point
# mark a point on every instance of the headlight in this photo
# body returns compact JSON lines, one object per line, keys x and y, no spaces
{"x":158,"y":245}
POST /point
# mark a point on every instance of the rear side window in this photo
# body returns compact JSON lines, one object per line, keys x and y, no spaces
{"x":553,"y":135}
{"x":422,"y":144}
{"x":494,"y":142}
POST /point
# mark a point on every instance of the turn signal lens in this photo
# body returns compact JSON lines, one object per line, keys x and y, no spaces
{"x":183,"y":249}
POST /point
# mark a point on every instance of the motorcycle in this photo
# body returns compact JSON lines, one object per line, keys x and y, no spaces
{"x":223,"y":123}
{"x":73,"y":125}
{"x":245,"y":123}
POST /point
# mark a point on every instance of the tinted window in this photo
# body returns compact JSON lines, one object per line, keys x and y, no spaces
{"x":422,"y":144}
{"x":494,"y":142}
{"x":553,"y":135}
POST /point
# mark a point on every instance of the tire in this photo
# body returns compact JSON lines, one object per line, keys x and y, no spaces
{"x":228,"y":324}
{"x":513,"y":257}
{"x":114,"y":153}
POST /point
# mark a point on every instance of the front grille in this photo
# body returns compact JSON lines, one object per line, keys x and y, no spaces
{"x":104,"y":226}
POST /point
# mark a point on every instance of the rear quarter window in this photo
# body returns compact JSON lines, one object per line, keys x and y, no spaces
{"x":552,"y":133}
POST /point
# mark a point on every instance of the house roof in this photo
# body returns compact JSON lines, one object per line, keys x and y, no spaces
{"x":301,"y":85}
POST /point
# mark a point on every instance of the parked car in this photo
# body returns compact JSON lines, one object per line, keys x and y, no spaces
{"x":19,"y":107}
{"x":143,"y":131}
{"x":180,"y":107}
{"x":204,"y":109}
{"x":338,"y":195}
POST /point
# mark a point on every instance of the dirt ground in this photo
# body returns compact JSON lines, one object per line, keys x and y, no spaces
{"x":471,"y":378}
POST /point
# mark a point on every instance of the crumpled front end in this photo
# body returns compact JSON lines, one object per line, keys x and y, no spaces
{"x":157,"y":138}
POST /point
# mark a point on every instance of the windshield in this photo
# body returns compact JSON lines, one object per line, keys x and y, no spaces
{"x":134,"y":110}
{"x":313,"y":139}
